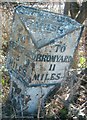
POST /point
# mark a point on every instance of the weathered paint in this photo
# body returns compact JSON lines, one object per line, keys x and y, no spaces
{"x":41,"y":48}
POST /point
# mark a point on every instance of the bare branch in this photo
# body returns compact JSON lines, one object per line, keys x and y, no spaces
{"x":74,"y":9}
{"x":66,"y":8}
{"x":83,"y":13}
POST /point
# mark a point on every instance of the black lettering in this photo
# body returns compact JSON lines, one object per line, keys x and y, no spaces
{"x":70,"y":59}
{"x":49,"y":58}
{"x":52,"y":67}
{"x":44,"y":57}
{"x":61,"y":59}
{"x":66,"y":59}
{"x":46,"y":77}
{"x":42,"y":76}
{"x":57,"y":47}
{"x":58,"y":76}
{"x":63,"y":48}
{"x":53,"y":58}
{"x":53,"y":76}
{"x":36,"y":77}
{"x":39,"y":57}
{"x":60,"y":48}
{"x":58,"y":58}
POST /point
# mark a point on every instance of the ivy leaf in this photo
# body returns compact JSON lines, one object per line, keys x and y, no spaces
{"x":3,"y":82}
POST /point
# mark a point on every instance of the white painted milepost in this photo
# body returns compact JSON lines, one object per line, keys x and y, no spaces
{"x":41,"y":48}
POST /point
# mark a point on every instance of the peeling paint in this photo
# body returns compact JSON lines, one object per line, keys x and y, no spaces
{"x":41,"y":48}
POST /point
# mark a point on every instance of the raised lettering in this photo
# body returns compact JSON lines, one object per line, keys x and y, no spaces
{"x":52,"y":67}
{"x":37,"y":77}
{"x":63,"y":48}
{"x":57,"y":47}
{"x":42,"y":76}
{"x":53,"y":76}
{"x":58,"y":76}
{"x":58,"y":58}
{"x":60,"y":48}
{"x":53,"y":58}
{"x":46,"y":77}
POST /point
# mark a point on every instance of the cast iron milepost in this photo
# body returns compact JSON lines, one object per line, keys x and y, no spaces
{"x":41,"y":48}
